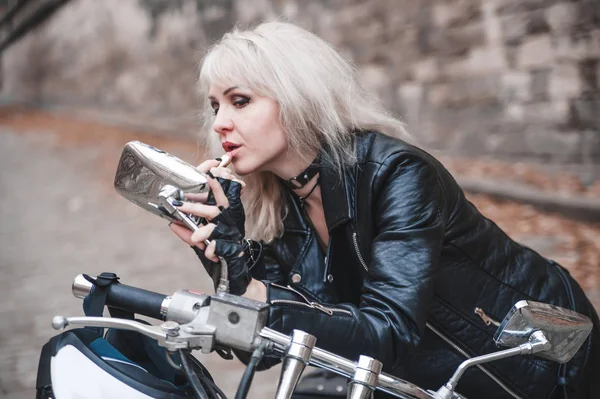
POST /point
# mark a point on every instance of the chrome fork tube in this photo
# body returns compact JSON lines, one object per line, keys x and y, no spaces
{"x":366,"y":376}
{"x":295,"y":361}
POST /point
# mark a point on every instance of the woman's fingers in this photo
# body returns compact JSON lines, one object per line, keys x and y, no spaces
{"x":207,"y":165}
{"x":210,"y":251}
{"x":201,"y":210}
{"x":196,"y":197}
{"x":184,"y":234}
{"x":225,"y":173}
{"x":202,"y":234}
{"x":217,"y":190}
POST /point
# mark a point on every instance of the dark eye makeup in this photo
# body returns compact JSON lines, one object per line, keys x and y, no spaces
{"x":237,"y":100}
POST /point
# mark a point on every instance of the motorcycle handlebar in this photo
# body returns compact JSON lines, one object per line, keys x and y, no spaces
{"x":125,"y":297}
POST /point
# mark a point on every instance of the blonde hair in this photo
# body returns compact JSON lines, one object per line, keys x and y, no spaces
{"x":320,"y":103}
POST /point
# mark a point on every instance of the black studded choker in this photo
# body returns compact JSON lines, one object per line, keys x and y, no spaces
{"x":304,"y":177}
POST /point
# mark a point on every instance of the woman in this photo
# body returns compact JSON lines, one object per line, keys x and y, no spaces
{"x":368,"y":243}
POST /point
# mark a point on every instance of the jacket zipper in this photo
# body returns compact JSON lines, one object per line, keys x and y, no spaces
{"x":360,"y":258}
{"x":310,"y":304}
{"x":465,"y":354}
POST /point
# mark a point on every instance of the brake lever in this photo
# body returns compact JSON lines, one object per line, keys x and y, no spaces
{"x":170,"y":334}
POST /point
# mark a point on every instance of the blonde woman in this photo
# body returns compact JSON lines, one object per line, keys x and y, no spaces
{"x":359,"y":237}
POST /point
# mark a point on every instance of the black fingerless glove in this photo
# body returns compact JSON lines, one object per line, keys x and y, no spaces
{"x":229,"y":245}
{"x":235,"y":217}
{"x":233,"y":192}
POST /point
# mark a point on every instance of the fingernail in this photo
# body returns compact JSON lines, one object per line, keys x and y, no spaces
{"x":177,"y":203}
{"x":218,"y":159}
{"x":210,"y":174}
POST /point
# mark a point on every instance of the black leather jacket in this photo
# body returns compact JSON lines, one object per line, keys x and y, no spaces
{"x":408,"y":261}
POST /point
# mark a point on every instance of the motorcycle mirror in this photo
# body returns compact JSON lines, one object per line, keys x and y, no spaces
{"x":566,"y":330}
{"x":143,"y":171}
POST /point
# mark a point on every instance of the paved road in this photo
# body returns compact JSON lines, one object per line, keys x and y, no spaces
{"x":59,"y":216}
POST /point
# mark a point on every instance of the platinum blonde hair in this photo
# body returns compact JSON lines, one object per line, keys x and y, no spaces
{"x":320,"y":103}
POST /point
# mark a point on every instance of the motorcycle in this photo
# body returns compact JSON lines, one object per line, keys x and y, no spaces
{"x":84,"y":356}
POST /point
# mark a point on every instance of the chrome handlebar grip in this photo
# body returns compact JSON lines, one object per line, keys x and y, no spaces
{"x":81,"y":287}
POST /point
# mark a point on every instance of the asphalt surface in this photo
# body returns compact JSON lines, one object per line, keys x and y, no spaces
{"x":59,"y":217}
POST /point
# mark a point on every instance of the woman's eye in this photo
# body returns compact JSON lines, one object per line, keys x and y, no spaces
{"x":241,"y":101}
{"x":215,"y":108}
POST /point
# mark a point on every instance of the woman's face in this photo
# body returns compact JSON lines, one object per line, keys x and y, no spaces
{"x":248,"y":127}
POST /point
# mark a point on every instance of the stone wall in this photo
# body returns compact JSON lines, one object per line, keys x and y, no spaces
{"x":513,"y":78}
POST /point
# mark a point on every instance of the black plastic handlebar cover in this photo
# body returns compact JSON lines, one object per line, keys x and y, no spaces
{"x":136,"y":300}
{"x":106,"y":290}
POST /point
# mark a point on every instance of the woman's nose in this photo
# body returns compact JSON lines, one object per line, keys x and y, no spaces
{"x":222,"y":123}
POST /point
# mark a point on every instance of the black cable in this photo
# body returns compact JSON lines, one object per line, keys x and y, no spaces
{"x":199,"y":390}
{"x":246,"y":380}
{"x":213,"y":386}
{"x":207,"y":381}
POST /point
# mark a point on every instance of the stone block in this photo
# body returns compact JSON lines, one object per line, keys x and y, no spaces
{"x":588,"y":15}
{"x":454,"y":41}
{"x":585,"y":112}
{"x":492,"y":23}
{"x":561,"y":17}
{"x":476,"y":90}
{"x":515,"y":6}
{"x":507,"y":139}
{"x":539,"y":83}
{"x":584,"y":45}
{"x":537,"y":23}
{"x":515,"y":112}
{"x":426,"y":70}
{"x":515,"y":87}
{"x":455,"y":13}
{"x":590,"y":146}
{"x":410,"y":96}
{"x":564,"y":81}
{"x":487,"y":59}
{"x":373,"y":77}
{"x":535,"y":51}
{"x":590,"y":79}
{"x":551,"y":143}
{"x":513,"y":28}
{"x":454,"y":67}
{"x":555,"y":113}
{"x":438,"y":95}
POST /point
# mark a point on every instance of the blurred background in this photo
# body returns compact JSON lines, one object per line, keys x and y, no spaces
{"x":505,"y":92}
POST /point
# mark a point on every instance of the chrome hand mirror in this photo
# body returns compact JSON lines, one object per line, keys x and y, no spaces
{"x":146,"y":175}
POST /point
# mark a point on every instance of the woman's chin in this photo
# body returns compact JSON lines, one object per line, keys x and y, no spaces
{"x":241,"y":169}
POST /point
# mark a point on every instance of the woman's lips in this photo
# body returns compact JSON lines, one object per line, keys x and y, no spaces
{"x":233,"y":152}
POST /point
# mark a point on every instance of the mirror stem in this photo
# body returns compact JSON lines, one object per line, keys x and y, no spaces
{"x":537,"y":343}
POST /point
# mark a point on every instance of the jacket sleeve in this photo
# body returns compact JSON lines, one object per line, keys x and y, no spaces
{"x":398,"y":287}
{"x":268,"y":270}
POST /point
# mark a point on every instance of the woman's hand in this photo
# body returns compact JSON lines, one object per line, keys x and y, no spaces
{"x":212,"y":166}
{"x":226,"y":240}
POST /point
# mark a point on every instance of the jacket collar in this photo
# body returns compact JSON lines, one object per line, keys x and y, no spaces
{"x":336,"y":195}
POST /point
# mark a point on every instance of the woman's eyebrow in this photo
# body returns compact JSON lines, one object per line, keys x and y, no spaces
{"x":225,"y":92}
{"x":228,"y":90}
